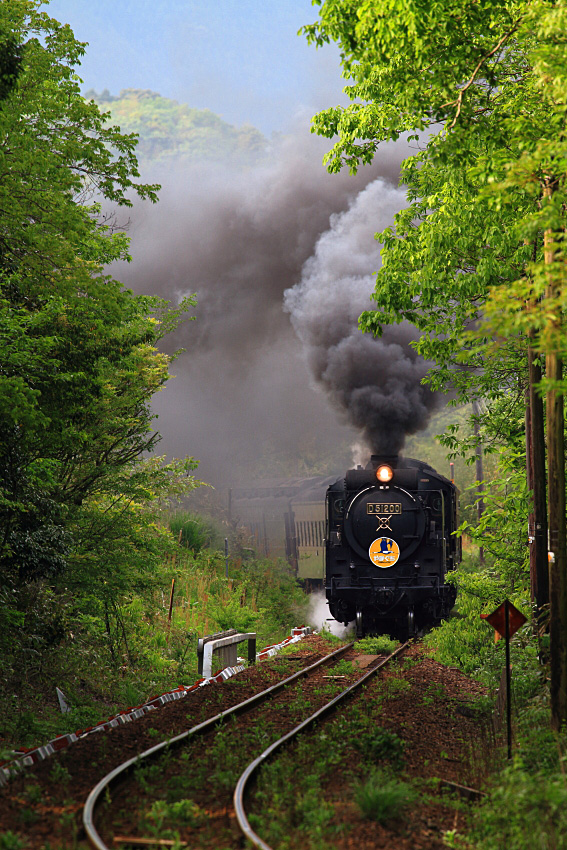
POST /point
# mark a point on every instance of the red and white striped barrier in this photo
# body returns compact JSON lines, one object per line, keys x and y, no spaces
{"x":27,"y":757}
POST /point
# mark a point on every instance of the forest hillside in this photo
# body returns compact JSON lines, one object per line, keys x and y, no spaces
{"x":170,"y":130}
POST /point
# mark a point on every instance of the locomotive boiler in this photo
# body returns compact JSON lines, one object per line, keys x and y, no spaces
{"x":388,"y":547}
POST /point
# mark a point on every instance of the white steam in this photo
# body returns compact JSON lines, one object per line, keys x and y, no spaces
{"x":319,"y":616}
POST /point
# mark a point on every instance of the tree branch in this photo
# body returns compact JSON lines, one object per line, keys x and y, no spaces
{"x":459,"y":101}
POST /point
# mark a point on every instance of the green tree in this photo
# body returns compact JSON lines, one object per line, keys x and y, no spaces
{"x":79,"y":361}
{"x":477,"y":260}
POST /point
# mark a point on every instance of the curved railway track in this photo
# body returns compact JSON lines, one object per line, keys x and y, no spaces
{"x":183,"y":788}
{"x":329,"y":707}
{"x":119,"y":773}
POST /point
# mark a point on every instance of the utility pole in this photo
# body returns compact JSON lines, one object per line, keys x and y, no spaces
{"x":479,"y":472}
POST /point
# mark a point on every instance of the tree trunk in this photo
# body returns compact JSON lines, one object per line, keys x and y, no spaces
{"x":479,"y":473}
{"x":535,"y":462}
{"x":556,"y":496}
{"x":557,"y":549}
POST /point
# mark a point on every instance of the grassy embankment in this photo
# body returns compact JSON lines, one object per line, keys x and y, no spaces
{"x":526,"y":799}
{"x":145,"y":654}
{"x":526,"y":802}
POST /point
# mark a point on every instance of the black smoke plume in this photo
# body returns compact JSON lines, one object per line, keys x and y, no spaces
{"x":376,"y":382}
{"x":240,"y":240}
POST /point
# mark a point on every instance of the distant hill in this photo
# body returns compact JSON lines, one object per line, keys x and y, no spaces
{"x":168,"y":129}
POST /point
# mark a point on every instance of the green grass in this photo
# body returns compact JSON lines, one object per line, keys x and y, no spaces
{"x":342,"y":668}
{"x":526,"y":803}
{"x":522,"y":810}
{"x":195,"y":532}
{"x":379,"y":745}
{"x":382,"y":797}
{"x":295,"y":806}
{"x":11,"y":841}
{"x":433,"y":693}
{"x":163,"y":815}
{"x":396,"y":686}
{"x":377,"y":645}
{"x":150,"y":655}
{"x":333,"y":641}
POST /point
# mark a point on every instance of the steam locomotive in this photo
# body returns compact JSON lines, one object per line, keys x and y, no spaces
{"x":389,"y":544}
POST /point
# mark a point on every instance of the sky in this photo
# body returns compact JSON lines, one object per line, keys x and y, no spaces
{"x":242,"y":59}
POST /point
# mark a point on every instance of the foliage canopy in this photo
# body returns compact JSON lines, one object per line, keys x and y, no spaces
{"x":78,"y":357}
{"x":168,"y":130}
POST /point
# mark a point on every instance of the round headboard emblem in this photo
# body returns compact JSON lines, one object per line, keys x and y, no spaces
{"x":384,"y":552}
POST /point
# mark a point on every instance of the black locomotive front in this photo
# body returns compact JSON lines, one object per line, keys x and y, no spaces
{"x":389,"y":545}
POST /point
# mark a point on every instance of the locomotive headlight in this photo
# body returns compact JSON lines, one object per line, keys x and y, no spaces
{"x":384,"y":474}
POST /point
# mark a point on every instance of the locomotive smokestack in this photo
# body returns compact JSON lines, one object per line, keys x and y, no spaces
{"x":392,"y":460}
{"x":376,"y":382}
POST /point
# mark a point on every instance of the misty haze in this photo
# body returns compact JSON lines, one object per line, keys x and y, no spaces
{"x":281,"y":257}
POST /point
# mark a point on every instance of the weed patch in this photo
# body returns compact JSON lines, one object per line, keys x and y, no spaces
{"x":11,"y":841}
{"x":523,"y":810}
{"x":163,"y":815}
{"x":110,"y":666}
{"x":377,"y":645}
{"x":383,"y":798}
{"x":395,"y":686}
{"x":379,"y":745}
{"x":433,"y":693}
{"x":342,"y":668}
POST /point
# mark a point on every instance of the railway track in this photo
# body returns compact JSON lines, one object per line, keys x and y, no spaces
{"x":183,"y":792}
{"x":306,"y":690}
{"x":324,"y":711}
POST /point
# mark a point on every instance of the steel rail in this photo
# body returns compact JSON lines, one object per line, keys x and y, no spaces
{"x":238,"y":797}
{"x":88,"y":810}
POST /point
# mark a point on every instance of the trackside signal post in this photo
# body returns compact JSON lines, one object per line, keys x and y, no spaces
{"x":506,"y":620}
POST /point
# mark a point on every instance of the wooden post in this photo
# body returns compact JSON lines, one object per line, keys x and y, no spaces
{"x":508,"y":683}
{"x":266,"y":548}
{"x":171,"y":600}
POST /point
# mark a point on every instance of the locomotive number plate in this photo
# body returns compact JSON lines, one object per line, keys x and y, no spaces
{"x":383,"y":508}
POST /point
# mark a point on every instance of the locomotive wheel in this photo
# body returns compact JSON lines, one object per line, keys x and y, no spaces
{"x":411,"y":622}
{"x":359,"y":627}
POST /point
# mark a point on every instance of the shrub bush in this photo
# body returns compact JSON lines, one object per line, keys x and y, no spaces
{"x":523,"y":810}
{"x":377,"y":645}
{"x":194,"y":532}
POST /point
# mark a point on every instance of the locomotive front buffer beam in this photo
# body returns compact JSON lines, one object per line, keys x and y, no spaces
{"x":380,"y":607}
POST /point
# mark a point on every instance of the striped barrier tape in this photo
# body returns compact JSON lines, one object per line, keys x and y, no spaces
{"x":28,"y":757}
